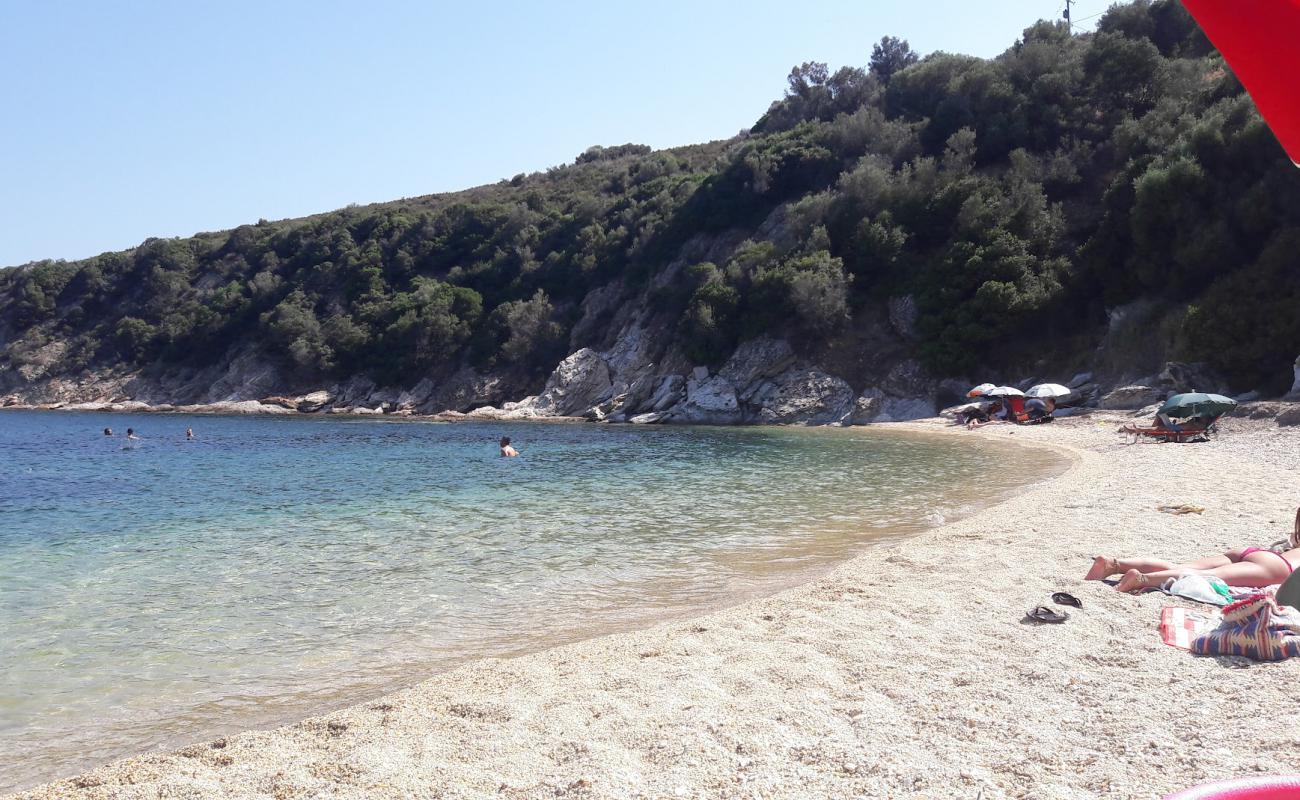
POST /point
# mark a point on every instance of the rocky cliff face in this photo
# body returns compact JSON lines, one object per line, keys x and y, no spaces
{"x":636,"y":379}
{"x":622,"y":367}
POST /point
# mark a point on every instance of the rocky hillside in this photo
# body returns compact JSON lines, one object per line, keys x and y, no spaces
{"x":1107,"y":208}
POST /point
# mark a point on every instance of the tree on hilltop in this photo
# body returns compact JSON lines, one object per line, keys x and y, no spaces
{"x":890,"y":56}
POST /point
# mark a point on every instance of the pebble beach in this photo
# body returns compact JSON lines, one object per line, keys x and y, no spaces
{"x":909,"y":671}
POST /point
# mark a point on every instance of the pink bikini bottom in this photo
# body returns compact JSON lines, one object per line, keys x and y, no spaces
{"x":1250,"y":550}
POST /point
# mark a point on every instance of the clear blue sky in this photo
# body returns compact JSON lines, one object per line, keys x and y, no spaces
{"x":124,"y":120}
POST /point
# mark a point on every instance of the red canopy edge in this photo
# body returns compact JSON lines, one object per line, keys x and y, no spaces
{"x":1260,"y":39}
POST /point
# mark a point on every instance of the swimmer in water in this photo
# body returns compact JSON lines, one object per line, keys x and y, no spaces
{"x":130,"y":434}
{"x":108,"y":431}
{"x":189,"y":434}
{"x":506,"y":450}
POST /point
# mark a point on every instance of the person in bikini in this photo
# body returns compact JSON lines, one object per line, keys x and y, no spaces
{"x":1252,"y":566}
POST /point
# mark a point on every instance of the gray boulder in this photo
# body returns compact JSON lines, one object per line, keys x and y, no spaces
{"x":756,"y":359}
{"x":279,"y":400}
{"x":234,"y":407}
{"x":667,"y":393}
{"x":638,"y":394}
{"x":416,"y":396}
{"x":908,"y":379}
{"x":1294,"y":394}
{"x":904,"y":409}
{"x":129,"y":406}
{"x":1178,"y":377}
{"x":1079,"y":380}
{"x":1128,"y":397}
{"x":355,"y":391}
{"x":246,"y":378}
{"x":1071,"y":412}
{"x":866,"y":407}
{"x":314,"y":401}
{"x":804,"y":397}
{"x":708,"y":402}
{"x":1289,"y":417}
{"x":1255,"y":410}
{"x":579,"y":382}
{"x":465,"y":389}
{"x":1081,"y":395}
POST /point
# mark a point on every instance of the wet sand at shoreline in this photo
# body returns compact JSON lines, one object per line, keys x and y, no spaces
{"x":905,"y":672}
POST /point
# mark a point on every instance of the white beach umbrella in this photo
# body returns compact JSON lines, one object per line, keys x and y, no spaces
{"x":1005,"y":391}
{"x":982,"y":389}
{"x":1048,"y":390}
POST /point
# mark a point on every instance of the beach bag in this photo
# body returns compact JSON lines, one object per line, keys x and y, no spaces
{"x":1255,"y":627}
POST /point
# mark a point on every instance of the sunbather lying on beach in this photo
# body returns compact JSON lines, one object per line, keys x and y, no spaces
{"x":1164,"y":424}
{"x":1252,"y":566}
{"x":979,"y":417}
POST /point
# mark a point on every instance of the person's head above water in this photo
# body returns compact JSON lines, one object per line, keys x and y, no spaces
{"x":130,"y":431}
{"x":108,"y":431}
{"x":505,"y":441}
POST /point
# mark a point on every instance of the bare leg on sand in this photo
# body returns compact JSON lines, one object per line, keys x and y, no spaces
{"x":1104,"y":567}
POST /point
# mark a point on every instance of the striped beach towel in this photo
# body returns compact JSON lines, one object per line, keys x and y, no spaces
{"x":1178,"y":626}
{"x":1255,"y":627}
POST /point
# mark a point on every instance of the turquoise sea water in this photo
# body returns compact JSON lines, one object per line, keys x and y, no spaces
{"x":167,"y":592}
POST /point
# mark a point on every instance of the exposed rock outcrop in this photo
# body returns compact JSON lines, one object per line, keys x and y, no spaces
{"x":465,"y":389}
{"x":1294,"y":394}
{"x":314,"y":401}
{"x":756,"y":359}
{"x":668,"y":392}
{"x":711,"y":401}
{"x":1178,"y":377}
{"x":1130,"y":397}
{"x":866,"y":407}
{"x":416,"y":396}
{"x":803,"y":397}
{"x":578,"y":383}
{"x":234,"y":407}
{"x":247,"y":377}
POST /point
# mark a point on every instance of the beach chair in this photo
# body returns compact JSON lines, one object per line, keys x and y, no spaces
{"x":1188,"y":432}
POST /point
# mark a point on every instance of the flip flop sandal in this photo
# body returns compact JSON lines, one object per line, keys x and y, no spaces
{"x":1064,"y":599}
{"x":1045,"y":614}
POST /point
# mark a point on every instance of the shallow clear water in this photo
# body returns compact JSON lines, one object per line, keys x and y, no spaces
{"x":175,"y":591}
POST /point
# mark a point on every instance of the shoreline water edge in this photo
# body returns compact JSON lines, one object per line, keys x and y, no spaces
{"x":906,"y":671}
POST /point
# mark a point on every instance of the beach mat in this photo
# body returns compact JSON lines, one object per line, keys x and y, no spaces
{"x":1179,"y":626}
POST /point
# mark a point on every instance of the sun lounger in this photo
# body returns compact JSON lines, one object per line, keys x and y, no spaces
{"x":1187,"y":432}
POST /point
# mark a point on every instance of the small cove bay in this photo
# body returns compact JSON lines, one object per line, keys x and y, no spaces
{"x":168,"y":592}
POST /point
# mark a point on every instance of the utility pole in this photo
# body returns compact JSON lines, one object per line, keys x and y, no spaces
{"x":1067,"y":12}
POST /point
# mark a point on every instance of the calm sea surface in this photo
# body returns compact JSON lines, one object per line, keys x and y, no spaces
{"x":173,"y":591}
